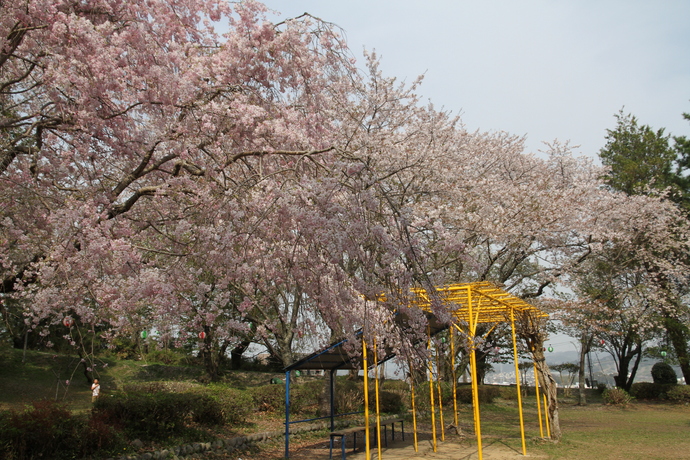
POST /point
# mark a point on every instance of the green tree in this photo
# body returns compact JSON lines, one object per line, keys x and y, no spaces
{"x":640,"y":159}
{"x":643,"y":161}
{"x":680,"y":177}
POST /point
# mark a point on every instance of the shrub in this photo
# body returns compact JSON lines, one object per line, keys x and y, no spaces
{"x":235,"y":404}
{"x":153,"y":413}
{"x":45,"y":430}
{"x":269,"y":398}
{"x":508,"y":392}
{"x":648,"y":390}
{"x":679,"y":394}
{"x":616,"y":396}
{"x":663,"y":373}
{"x":166,"y":356}
{"x":98,"y":436}
{"x":349,"y":396}
{"x":304,"y":398}
{"x":145,"y":415}
{"x":396,"y":385}
{"x":389,"y":401}
{"x":48,"y":430}
{"x":486,"y":394}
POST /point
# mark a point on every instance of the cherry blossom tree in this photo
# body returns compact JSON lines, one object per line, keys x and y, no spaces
{"x":254,"y":185}
{"x":105,"y":103}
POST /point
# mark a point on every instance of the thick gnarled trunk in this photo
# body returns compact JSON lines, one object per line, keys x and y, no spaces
{"x":531,"y":329}
{"x":550,"y":390}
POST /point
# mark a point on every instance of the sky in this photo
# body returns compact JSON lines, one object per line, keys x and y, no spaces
{"x":546,"y":70}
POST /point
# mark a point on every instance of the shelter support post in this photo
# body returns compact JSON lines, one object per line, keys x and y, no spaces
{"x":546,"y":416}
{"x":432,"y":404}
{"x":517,"y":382}
{"x":332,"y":385}
{"x":414,"y":408}
{"x":365,"y":366}
{"x":455,"y":377}
{"x":378,"y":411}
{"x":287,"y":414}
{"x":440,"y":392}
{"x":473,"y":368}
{"x":536,"y":389}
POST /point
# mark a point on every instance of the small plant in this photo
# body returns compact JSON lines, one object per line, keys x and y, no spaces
{"x":616,"y":396}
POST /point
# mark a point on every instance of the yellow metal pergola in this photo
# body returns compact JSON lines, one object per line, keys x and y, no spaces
{"x":471,"y":304}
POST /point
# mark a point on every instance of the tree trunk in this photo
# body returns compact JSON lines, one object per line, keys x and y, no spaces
{"x":636,"y":366}
{"x":625,"y":354}
{"x":236,"y":354}
{"x":678,"y":334}
{"x":585,"y":345}
{"x":532,"y":330}
{"x":549,"y":388}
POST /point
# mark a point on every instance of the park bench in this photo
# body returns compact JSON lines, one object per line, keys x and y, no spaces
{"x":342,"y":434}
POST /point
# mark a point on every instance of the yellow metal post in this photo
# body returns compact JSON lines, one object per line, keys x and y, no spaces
{"x":440,"y":394}
{"x":536,"y":388}
{"x":414,"y":410}
{"x":455,"y":377}
{"x":473,"y":367}
{"x":546,"y":416}
{"x":365,"y":365}
{"x":378,"y":412}
{"x":432,"y":404}
{"x":517,"y":381}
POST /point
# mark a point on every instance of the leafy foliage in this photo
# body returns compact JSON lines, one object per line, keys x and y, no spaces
{"x":616,"y":396}
{"x":639,"y":157}
{"x":648,"y":390}
{"x":663,"y":373}
{"x":154,"y":413}
{"x":679,"y":394}
{"x":48,"y":430}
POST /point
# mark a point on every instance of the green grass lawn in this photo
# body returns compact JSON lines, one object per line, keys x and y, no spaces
{"x":637,"y":431}
{"x":641,"y":430}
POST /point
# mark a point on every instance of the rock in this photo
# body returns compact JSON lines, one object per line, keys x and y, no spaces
{"x":137,"y":444}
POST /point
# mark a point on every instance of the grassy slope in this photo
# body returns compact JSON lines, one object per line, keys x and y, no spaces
{"x":43,"y":375}
{"x":638,"y":431}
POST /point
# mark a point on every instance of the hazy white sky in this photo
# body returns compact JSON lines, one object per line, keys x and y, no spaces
{"x":543,"y":69}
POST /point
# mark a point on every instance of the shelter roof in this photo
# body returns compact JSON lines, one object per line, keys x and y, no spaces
{"x":479,"y":302}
